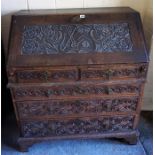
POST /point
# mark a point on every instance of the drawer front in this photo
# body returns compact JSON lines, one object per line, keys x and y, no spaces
{"x":74,"y":91}
{"x":114,"y":72}
{"x":106,"y":72}
{"x":35,"y":76}
{"x":57,"y":108}
{"x":77,"y":126}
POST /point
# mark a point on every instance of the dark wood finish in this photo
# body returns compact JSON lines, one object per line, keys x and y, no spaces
{"x":114,"y":72}
{"x":82,"y":90}
{"x":138,"y":54}
{"x":28,"y":76}
{"x":132,"y":139}
{"x":63,"y":74}
{"x":84,"y":125}
{"x":73,"y":77}
{"x":71,"y":108}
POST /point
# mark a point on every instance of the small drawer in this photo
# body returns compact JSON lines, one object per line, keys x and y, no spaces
{"x":45,"y":75}
{"x":74,"y":91}
{"x":78,"y":126}
{"x":29,"y":109}
{"x":114,"y":72}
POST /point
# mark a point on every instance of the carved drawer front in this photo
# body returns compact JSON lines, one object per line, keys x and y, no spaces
{"x":33,"y":76}
{"x":31,"y":109}
{"x":77,"y":126}
{"x":114,"y":72}
{"x":74,"y":90}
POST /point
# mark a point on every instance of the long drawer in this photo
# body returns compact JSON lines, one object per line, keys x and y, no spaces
{"x":75,"y":90}
{"x":81,"y":107}
{"x":86,"y":125}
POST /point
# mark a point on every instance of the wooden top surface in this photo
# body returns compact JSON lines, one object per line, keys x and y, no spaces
{"x":112,"y":17}
{"x":76,"y":10}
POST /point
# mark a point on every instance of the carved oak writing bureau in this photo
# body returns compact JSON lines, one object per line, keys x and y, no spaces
{"x":77,"y":73}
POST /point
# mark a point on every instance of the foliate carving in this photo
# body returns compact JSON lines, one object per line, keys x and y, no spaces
{"x":75,"y":90}
{"x":77,"y":126}
{"x":76,"y":38}
{"x":136,"y":72}
{"x":45,"y":108}
{"x":119,"y":123}
{"x":45,"y":76}
{"x":124,"y":105}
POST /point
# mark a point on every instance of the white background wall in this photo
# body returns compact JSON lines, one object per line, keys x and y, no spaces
{"x":145,"y":7}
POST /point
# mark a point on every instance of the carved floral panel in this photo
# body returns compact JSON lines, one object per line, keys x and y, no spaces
{"x":45,"y":108}
{"x":76,"y":38}
{"x":77,"y":126}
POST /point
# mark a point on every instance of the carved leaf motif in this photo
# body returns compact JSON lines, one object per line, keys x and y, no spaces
{"x":77,"y":126}
{"x":44,"y":76}
{"x":121,"y":123}
{"x":75,"y":90}
{"x":44,"y":108}
{"x":139,"y":71}
{"x":76,"y":38}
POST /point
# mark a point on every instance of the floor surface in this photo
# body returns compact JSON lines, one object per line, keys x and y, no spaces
{"x":81,"y":147}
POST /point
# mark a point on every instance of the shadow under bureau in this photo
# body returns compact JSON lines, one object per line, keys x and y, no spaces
{"x":77,"y":73}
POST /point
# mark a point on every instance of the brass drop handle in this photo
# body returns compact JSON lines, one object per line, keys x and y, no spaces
{"x":48,"y":93}
{"x":142,"y":69}
{"x":108,"y":90}
{"x":11,"y":73}
{"x":109,"y":73}
{"x":45,"y":75}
